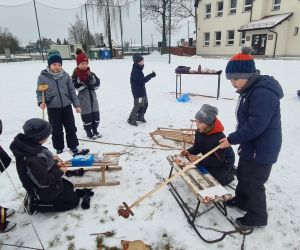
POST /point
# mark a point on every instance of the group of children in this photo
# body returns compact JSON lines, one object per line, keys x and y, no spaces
{"x":258,"y":133}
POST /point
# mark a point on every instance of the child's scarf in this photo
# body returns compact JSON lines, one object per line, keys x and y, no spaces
{"x":83,"y":74}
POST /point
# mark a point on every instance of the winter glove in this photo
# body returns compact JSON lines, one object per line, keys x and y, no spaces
{"x":152,"y":75}
{"x":202,"y":170}
{"x":86,"y":198}
{"x":77,"y":172}
{"x":82,"y":192}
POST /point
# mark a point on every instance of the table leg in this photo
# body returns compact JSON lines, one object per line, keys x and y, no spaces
{"x":180,"y":84}
{"x":176,"y":84}
{"x":218,"y":93}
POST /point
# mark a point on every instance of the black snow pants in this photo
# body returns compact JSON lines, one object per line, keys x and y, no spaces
{"x":59,"y":118}
{"x":250,"y":191}
{"x":66,"y":200}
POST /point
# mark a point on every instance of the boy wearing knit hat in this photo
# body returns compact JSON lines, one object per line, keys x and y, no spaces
{"x":58,"y":99}
{"x":40,"y":174}
{"x":207,"y":136}
{"x":86,"y":82}
{"x":258,"y":133}
{"x":137,"y":81}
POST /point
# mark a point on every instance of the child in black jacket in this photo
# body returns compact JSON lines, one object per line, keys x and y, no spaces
{"x":40,"y":174}
{"x":137,"y":81}
{"x":208,"y":134}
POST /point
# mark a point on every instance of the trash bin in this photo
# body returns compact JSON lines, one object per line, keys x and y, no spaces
{"x":105,"y":54}
{"x":93,"y":54}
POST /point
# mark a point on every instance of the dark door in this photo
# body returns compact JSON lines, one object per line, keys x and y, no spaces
{"x":259,"y":43}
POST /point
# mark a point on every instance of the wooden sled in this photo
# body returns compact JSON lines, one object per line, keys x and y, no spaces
{"x":134,"y":245}
{"x":206,"y":189}
{"x":109,"y":162}
{"x":184,"y":136}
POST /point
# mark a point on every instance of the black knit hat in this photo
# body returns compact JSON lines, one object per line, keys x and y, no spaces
{"x":137,"y":58}
{"x":37,"y":129}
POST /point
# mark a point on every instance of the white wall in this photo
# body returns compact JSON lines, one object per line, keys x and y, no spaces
{"x":287,"y":43}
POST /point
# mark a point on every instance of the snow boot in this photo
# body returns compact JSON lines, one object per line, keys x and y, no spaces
{"x":80,"y":152}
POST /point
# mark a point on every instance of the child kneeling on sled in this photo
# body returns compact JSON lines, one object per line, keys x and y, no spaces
{"x":208,"y":134}
{"x":40,"y":174}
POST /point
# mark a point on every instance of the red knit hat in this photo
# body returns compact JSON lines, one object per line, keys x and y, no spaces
{"x":81,"y":56}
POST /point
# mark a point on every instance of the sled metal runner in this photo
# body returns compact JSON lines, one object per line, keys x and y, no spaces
{"x":194,"y":184}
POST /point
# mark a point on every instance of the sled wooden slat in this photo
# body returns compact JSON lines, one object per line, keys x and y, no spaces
{"x":109,"y":162}
{"x":198,"y":182}
{"x":184,"y":136}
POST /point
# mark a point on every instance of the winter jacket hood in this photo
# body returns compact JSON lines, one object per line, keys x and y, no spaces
{"x":217,"y":127}
{"x":21,"y":146}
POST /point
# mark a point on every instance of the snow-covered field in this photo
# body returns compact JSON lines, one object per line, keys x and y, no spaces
{"x":158,"y":221}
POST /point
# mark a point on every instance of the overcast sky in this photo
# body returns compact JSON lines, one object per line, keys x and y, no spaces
{"x":54,"y":22}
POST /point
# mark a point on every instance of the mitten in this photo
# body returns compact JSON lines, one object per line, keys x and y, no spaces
{"x":86,"y":198}
{"x":153,"y":74}
{"x":77,"y":172}
{"x":82,"y":192}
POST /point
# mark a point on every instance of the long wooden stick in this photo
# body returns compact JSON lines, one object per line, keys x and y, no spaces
{"x":179,"y":173}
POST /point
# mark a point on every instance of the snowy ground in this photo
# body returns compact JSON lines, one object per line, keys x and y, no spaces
{"x":158,"y":221}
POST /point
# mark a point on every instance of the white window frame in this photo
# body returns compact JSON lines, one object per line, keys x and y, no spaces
{"x":276,"y":6}
{"x":230,"y":41}
{"x":232,"y":10}
{"x":219,"y":13}
{"x":247,"y":7}
{"x":243,"y":38}
{"x":206,"y":42}
{"x":218,"y":42}
{"x":207,"y":15}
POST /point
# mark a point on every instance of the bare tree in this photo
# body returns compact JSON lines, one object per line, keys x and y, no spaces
{"x":7,"y":40}
{"x":158,"y":12}
{"x":78,"y":33}
{"x":109,"y":10}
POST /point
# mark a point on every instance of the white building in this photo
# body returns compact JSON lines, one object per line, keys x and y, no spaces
{"x":270,"y":27}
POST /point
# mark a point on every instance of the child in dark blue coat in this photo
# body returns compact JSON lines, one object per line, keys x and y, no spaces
{"x":258,"y":133}
{"x":137,"y":81}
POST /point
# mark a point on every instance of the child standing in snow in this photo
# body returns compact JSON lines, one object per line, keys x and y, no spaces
{"x":208,"y":134}
{"x":259,"y":134}
{"x":59,"y":97}
{"x":40,"y":174}
{"x":137,"y":81}
{"x":86,"y":82}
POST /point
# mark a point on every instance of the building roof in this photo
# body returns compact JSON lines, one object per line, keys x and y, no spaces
{"x":268,"y":22}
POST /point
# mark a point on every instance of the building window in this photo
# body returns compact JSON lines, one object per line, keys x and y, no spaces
{"x":220,"y":8}
{"x":276,"y":4}
{"x":207,"y":11}
{"x":296,"y":31}
{"x":243,"y":38}
{"x":230,"y":37}
{"x":206,"y":39}
{"x":232,"y":7}
{"x":247,"y":5}
{"x":217,"y":38}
